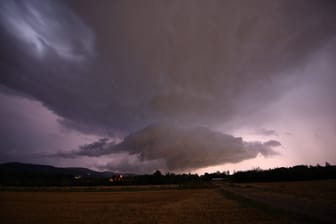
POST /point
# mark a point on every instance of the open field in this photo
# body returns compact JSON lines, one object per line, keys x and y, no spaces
{"x":91,"y":188}
{"x":224,"y":204}
{"x":315,"y":200}
{"x":315,"y":189}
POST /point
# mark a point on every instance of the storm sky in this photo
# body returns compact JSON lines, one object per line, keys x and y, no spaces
{"x":183,"y":86}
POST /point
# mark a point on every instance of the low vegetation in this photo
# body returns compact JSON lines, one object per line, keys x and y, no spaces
{"x":155,"y":206}
{"x":296,"y":173}
{"x":38,"y":175}
{"x":257,"y":196}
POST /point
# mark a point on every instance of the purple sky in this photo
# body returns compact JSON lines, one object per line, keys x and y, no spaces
{"x":193,"y":86}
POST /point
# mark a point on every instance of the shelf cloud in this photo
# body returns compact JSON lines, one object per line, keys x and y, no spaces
{"x":111,"y":69}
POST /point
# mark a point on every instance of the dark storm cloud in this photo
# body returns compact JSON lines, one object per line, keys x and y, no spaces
{"x":198,"y":62}
{"x":266,"y":132}
{"x":133,"y":164}
{"x":95,"y":149}
{"x":190,"y":148}
{"x":272,"y":143}
{"x":113,"y":67}
{"x":168,"y":147}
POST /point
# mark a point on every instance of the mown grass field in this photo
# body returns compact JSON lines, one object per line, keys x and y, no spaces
{"x":142,"y":206}
{"x":310,"y":190}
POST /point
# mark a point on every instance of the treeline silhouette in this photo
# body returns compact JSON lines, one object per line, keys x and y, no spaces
{"x":171,"y":178}
{"x":16,"y":174}
{"x":296,"y":173}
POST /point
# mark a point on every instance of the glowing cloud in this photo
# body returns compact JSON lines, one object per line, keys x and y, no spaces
{"x":43,"y":25}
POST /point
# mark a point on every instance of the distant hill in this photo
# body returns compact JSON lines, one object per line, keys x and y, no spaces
{"x":18,"y":174}
{"x":20,"y":168}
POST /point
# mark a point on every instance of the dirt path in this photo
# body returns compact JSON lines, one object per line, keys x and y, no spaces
{"x":318,"y":209}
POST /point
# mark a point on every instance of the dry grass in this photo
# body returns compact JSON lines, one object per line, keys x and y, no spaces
{"x":91,"y":188}
{"x":315,"y":189}
{"x":309,"y":201}
{"x":165,"y":206}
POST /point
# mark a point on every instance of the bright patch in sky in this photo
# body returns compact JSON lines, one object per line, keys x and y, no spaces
{"x":27,"y":34}
{"x":34,"y":128}
{"x":49,"y":25}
